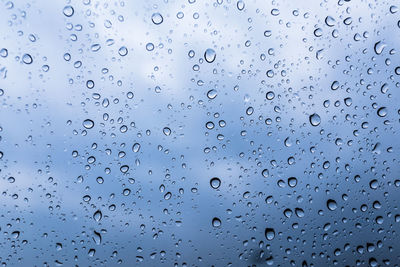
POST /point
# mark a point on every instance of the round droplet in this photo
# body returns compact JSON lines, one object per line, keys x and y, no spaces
{"x":88,"y":124}
{"x":27,"y":59}
{"x":265,"y":173}
{"x":216,"y":222}
{"x":292,"y":181}
{"x":373,"y":184}
{"x":3,"y":52}
{"x":382,"y":112}
{"x":240,"y":5}
{"x":331,"y":204}
{"x":167,"y":131}
{"x":212,"y":94}
{"x":157,"y":18}
{"x":126,"y":192}
{"x":269,"y":234}
{"x":270,"y":95}
{"x":149,"y":46}
{"x":210,"y":55}
{"x":90,"y":84}
{"x":329,"y":21}
{"x":315,"y":119}
{"x":123,"y":51}
{"x":215,"y":182}
{"x":68,"y":11}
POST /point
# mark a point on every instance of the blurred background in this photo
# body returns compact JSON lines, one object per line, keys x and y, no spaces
{"x":199,"y":133}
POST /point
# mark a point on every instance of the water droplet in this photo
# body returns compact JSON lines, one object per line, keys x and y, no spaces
{"x":3,"y":52}
{"x":126,"y":192}
{"x":212,"y":94}
{"x":167,"y":131}
{"x":269,"y":234}
{"x":136,"y":147}
{"x":240,"y":5}
{"x":149,"y":46}
{"x":157,"y":18}
{"x":97,"y":237}
{"x":270,"y":95}
{"x":292,"y":181}
{"x":215,"y":182}
{"x":88,"y":124}
{"x":331,"y":204}
{"x":265,"y":173}
{"x":68,"y":11}
{"x":382,"y":112}
{"x":378,"y":47}
{"x":97,"y":216}
{"x":27,"y":59}
{"x":329,"y":21}
{"x":216,"y":222}
{"x":315,"y":119}
{"x":210,"y":55}
{"x":123,"y":51}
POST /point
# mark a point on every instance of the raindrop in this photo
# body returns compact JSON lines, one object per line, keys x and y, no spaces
{"x":212,"y":94}
{"x":68,"y":11}
{"x":382,"y":112}
{"x":331,"y":204}
{"x":27,"y":59}
{"x":136,"y":147}
{"x":166,"y":131}
{"x":269,"y":234}
{"x":210,"y":55}
{"x":240,"y":5}
{"x":123,"y":51}
{"x":315,"y":119}
{"x":97,"y":216}
{"x":215,"y":182}
{"x":157,"y":18}
{"x":216,"y":222}
{"x":88,"y":124}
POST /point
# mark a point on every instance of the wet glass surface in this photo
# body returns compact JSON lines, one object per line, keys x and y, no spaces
{"x":199,"y":133}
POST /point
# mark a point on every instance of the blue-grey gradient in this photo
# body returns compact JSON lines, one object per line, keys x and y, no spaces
{"x":199,"y":133}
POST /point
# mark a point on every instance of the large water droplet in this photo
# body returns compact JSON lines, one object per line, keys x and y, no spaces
{"x":216,"y":222}
{"x":97,"y":216}
{"x":378,"y":47}
{"x":157,"y":18}
{"x":88,"y":124}
{"x":382,"y":112}
{"x":331,"y":204}
{"x":210,"y":55}
{"x":68,"y":11}
{"x":215,"y":182}
{"x":269,"y":234}
{"x":315,"y":119}
{"x":27,"y":59}
{"x":167,"y":131}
